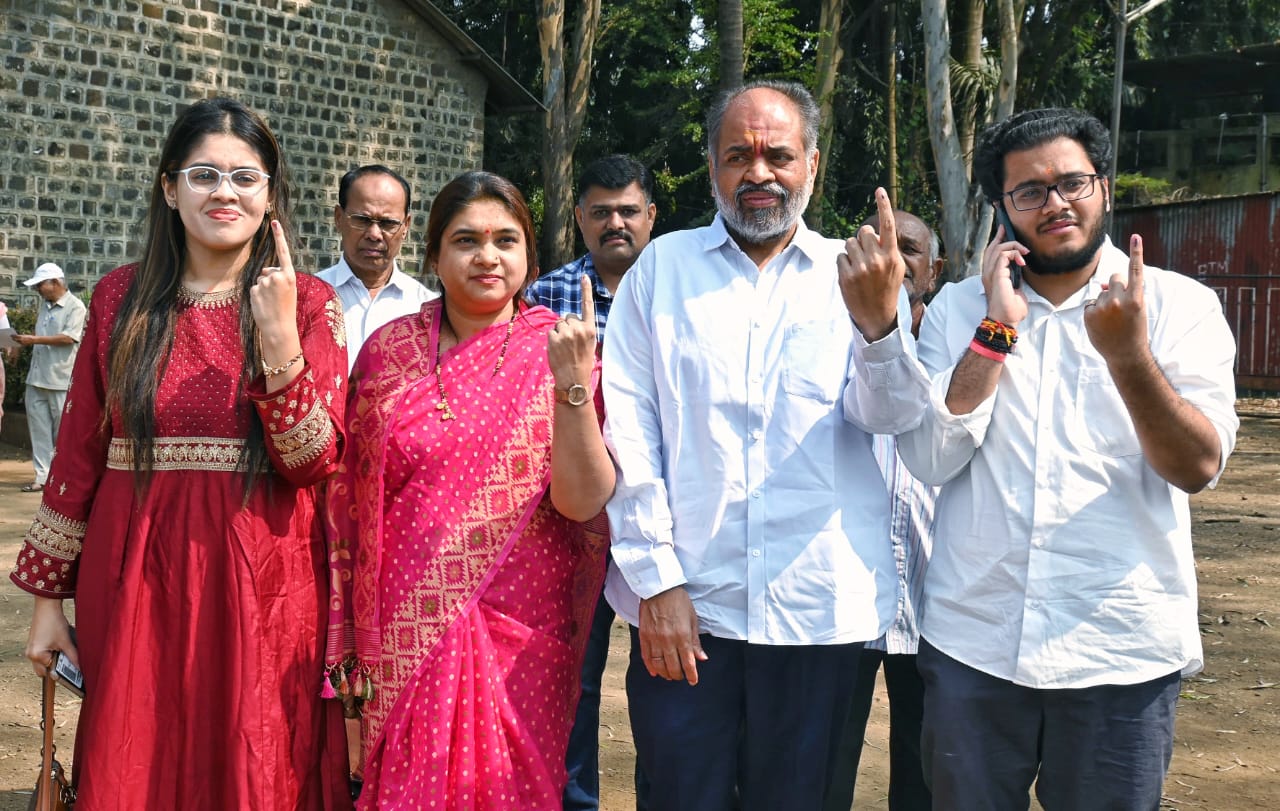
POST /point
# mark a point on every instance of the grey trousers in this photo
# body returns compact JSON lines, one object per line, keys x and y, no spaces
{"x":44,"y":416}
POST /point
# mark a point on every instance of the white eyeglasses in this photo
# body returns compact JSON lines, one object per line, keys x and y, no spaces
{"x":204,"y":179}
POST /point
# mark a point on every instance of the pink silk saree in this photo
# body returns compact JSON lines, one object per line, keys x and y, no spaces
{"x":458,"y":591}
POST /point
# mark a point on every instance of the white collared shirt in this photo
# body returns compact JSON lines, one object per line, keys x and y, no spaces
{"x":1060,"y":558}
{"x":362,"y":314}
{"x":911,"y":533}
{"x":740,"y":406}
{"x":51,"y":365}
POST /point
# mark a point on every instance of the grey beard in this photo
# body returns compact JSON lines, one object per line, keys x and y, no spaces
{"x":762,"y":225}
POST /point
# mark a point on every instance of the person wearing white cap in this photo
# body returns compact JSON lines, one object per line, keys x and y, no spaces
{"x":59,"y":326}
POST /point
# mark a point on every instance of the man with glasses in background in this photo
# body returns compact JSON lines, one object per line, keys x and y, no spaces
{"x":372,"y":217}
{"x":1068,"y":420}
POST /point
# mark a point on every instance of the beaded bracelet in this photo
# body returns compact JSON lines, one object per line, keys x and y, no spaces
{"x":996,"y":336}
{"x":272,"y":371}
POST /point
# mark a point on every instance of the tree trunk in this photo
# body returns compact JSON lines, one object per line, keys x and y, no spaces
{"x":971,"y":55}
{"x":729,"y":32}
{"x":891,"y":100}
{"x":564,"y":94}
{"x":828,"y":70}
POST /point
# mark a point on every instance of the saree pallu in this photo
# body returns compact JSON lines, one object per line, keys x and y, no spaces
{"x":463,"y":595}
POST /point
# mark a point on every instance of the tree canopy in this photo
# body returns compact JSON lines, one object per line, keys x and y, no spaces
{"x":656,"y":65}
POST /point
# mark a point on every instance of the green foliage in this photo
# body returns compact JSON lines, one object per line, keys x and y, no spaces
{"x":23,"y":321}
{"x":1137,"y":189}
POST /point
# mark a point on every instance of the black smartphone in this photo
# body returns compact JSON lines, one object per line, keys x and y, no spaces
{"x":1002,"y":217}
{"x":67,"y":674}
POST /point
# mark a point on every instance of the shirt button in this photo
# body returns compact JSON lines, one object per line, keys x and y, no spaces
{"x":1037,"y":542}
{"x":755,"y":435}
{"x":1034,"y":605}
{"x":755,"y":553}
{"x":755,"y":494}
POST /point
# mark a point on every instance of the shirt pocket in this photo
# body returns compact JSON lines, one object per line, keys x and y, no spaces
{"x":814,"y":359}
{"x":1103,"y":422}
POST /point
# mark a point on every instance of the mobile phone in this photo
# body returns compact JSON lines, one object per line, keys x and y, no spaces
{"x":1002,"y":217}
{"x":67,"y":674}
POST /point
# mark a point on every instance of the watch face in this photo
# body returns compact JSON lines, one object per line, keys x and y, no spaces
{"x":577,"y":394}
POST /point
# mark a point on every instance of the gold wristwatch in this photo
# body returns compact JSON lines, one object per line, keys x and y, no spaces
{"x":575,"y":395}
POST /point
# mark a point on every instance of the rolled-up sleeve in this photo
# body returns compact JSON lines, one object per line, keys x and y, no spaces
{"x":942,"y":444}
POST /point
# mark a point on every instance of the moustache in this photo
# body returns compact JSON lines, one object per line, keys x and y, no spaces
{"x":775,"y":188}
{"x":1058,"y":221}
{"x":608,"y":235}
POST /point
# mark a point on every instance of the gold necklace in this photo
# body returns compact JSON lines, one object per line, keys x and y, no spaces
{"x":446,"y":412}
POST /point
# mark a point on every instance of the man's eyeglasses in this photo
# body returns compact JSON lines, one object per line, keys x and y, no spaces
{"x":1035,"y":195}
{"x":204,"y":179}
{"x":363,"y":222}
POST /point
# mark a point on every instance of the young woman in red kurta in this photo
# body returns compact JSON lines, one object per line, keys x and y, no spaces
{"x":180,"y":513}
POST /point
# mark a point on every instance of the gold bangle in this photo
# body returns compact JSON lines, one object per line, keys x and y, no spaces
{"x":272,"y":371}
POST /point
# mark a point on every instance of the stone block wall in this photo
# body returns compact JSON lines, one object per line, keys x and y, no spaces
{"x":90,"y":87}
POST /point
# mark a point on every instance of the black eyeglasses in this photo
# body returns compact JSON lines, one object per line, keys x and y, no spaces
{"x":363,"y":222}
{"x":1035,"y":195}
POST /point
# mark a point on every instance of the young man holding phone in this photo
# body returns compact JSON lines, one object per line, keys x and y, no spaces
{"x":1066,"y":431}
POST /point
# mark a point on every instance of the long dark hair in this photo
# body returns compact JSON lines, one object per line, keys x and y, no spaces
{"x":468,"y":188}
{"x":142,"y":335}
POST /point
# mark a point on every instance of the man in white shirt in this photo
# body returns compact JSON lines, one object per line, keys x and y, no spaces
{"x":372,"y":218}
{"x":59,"y":328}
{"x":910,"y":532}
{"x":746,"y":366}
{"x":1066,"y":432}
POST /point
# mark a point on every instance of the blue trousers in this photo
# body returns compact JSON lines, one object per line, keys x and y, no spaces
{"x":907,"y":788}
{"x":986,"y":740}
{"x":757,"y":733}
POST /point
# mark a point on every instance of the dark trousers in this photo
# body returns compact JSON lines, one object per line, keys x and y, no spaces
{"x":582,"y":758}
{"x":756,"y":734}
{"x":1103,"y":748}
{"x":907,"y":789}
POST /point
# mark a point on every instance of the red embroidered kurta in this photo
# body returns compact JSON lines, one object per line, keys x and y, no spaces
{"x":199,"y":616}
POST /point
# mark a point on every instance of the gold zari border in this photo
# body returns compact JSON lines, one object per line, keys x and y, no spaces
{"x":304,"y":442}
{"x":56,"y":535}
{"x":220,"y":454}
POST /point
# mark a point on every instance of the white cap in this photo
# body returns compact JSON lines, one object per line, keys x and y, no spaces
{"x":44,"y":273}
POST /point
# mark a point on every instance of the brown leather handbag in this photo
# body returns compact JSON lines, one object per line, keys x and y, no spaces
{"x":54,"y":791}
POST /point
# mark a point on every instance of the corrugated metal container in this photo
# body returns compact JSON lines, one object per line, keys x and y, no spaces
{"x":1231,"y":244}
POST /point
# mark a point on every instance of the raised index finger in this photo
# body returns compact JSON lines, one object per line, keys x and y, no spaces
{"x":1135,"y":266}
{"x":888,"y":228}
{"x":588,"y":301}
{"x":282,"y":247}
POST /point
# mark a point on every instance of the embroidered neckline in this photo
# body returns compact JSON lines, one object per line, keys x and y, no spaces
{"x":207,"y":301}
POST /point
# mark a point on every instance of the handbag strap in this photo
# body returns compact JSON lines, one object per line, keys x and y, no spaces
{"x":45,"y":788}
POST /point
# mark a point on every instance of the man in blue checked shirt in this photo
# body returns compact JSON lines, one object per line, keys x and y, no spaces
{"x":615,"y":214}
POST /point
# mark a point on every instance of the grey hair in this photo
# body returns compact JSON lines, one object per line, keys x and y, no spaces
{"x":796,"y":92}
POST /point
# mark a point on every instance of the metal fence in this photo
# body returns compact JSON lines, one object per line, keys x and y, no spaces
{"x":1231,"y":244}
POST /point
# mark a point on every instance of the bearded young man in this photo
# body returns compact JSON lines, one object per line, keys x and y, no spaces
{"x":1066,"y":432}
{"x":746,"y":365}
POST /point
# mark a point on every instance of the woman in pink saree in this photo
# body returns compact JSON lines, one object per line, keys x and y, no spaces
{"x":462,"y":561}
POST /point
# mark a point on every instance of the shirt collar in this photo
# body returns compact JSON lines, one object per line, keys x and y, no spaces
{"x":808,"y":242}
{"x":588,"y":266}
{"x":346,"y":274}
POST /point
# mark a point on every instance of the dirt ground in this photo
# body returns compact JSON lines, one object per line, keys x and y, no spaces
{"x":1228,"y":735}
